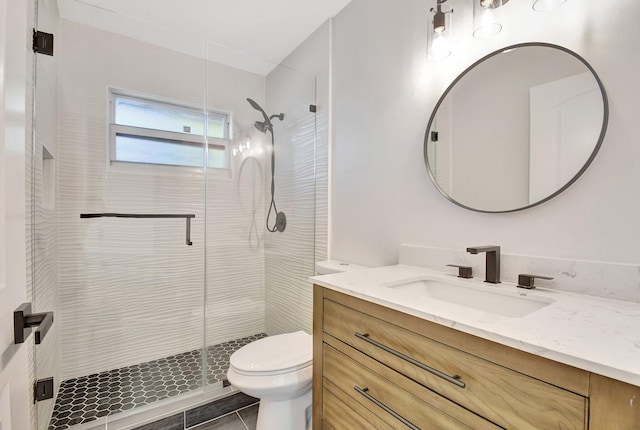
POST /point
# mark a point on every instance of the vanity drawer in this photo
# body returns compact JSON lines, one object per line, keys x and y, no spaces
{"x":340,"y":416}
{"x":503,"y":396}
{"x":387,"y":400}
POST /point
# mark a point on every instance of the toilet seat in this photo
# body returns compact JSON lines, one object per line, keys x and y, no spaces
{"x":274,"y":355}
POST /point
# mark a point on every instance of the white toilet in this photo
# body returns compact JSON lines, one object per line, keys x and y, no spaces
{"x":277,"y":370}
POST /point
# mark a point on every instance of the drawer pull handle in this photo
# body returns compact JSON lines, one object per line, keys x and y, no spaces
{"x":455,"y":380}
{"x":364,"y":392}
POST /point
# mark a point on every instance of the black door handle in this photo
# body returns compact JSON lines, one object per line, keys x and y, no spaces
{"x":24,"y":320}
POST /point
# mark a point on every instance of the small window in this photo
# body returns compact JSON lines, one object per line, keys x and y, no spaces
{"x":150,"y":131}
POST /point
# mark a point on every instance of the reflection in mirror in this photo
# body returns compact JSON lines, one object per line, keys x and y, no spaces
{"x":516,"y":128}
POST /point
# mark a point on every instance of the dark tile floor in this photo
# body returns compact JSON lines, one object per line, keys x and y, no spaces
{"x":235,"y":412}
{"x":244,"y":419}
{"x":88,"y":398}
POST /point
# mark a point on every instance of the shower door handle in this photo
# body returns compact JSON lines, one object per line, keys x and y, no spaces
{"x":121,"y":215}
{"x":24,"y":320}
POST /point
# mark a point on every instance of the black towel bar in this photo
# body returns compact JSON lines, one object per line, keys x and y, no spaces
{"x":119,"y":215}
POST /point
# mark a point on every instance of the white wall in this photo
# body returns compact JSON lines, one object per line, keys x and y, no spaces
{"x":384,"y":92}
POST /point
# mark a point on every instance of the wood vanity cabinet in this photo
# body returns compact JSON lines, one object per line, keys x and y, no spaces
{"x":378,"y":368}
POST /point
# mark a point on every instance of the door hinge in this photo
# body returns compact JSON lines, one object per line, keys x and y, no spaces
{"x":43,"y":389}
{"x":312,"y":108}
{"x":42,"y":42}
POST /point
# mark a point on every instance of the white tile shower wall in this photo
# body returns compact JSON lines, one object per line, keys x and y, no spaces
{"x":45,"y":256}
{"x":235,"y":253}
{"x":595,"y":278}
{"x":235,"y":304}
{"x":130,"y":289}
{"x":384,"y":92}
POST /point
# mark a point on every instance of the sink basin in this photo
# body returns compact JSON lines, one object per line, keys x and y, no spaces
{"x":512,"y":304}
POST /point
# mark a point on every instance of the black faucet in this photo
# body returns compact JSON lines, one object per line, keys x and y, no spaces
{"x":492,"y":271}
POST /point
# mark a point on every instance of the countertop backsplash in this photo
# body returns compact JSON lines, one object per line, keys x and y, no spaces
{"x":618,"y":281}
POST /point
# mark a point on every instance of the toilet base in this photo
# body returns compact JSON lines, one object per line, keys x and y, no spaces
{"x":285,"y":414}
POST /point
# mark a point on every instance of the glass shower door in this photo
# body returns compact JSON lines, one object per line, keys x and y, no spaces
{"x":290,"y":255}
{"x":257,"y":280}
{"x":151,"y":195}
{"x":42,"y":233}
{"x":119,"y":221}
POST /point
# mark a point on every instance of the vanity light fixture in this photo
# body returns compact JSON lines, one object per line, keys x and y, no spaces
{"x":439,"y":43}
{"x":544,"y":5}
{"x":486,"y":19}
{"x":487,"y":23}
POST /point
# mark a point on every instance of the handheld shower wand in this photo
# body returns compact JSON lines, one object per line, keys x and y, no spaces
{"x":257,"y":107}
{"x":263,"y":127}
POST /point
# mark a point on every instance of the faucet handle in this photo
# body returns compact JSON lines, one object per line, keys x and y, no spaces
{"x":463,"y":271}
{"x":526,"y":281}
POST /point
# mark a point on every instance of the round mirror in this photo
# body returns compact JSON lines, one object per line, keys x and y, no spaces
{"x":516,"y":128}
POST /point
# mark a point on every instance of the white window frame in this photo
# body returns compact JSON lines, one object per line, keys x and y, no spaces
{"x":185,"y":138}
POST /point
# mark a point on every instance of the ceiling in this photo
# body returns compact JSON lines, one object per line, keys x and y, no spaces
{"x":253,"y":35}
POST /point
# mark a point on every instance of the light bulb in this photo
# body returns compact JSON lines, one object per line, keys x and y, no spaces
{"x":440,"y":47}
{"x":485,"y":21}
{"x":439,"y":30}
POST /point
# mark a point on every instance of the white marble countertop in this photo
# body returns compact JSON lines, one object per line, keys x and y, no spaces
{"x":591,"y":333}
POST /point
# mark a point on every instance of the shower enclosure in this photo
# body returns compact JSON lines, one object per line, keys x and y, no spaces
{"x":149,"y":194}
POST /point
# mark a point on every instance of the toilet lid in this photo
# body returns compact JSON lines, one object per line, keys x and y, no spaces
{"x":274,"y":354}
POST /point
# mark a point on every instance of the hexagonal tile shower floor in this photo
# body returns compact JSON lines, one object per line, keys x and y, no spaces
{"x":88,"y":398}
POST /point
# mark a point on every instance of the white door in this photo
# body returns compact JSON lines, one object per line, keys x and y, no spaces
{"x":566,"y":117}
{"x":15,"y":396}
